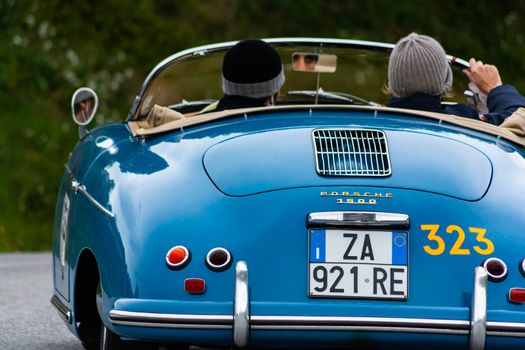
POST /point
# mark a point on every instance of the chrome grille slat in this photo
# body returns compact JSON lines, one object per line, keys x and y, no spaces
{"x":336,"y":153}
{"x":382,"y":152}
{"x":358,"y":152}
{"x":348,"y":148}
{"x":342,"y":149}
{"x":356,"y":168}
{"x":368,"y":154}
{"x":319,"y":155}
{"x":359,"y":142}
{"x":326,"y":147}
{"x":351,"y":152}
{"x":373,"y":154}
{"x":332,"y":151}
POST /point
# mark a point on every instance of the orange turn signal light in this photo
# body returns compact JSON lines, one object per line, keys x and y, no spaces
{"x":178,"y":257}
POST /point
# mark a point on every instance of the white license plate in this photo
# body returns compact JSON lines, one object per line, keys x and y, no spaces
{"x":358,"y":264}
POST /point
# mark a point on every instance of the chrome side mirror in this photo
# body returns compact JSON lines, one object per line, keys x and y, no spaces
{"x":84,"y":104}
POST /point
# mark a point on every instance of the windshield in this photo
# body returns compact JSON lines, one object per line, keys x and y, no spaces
{"x":194,"y":81}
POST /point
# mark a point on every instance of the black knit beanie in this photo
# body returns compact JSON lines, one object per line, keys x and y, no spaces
{"x":252,"y":68}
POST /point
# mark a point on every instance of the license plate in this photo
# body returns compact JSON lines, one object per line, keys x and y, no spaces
{"x":358,"y":264}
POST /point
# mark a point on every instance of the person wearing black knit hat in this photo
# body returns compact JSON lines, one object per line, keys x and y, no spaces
{"x":252,"y":74}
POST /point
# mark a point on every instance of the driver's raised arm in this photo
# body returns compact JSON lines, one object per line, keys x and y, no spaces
{"x":502,"y":99}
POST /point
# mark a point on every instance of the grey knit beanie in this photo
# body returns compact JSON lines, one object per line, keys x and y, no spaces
{"x":418,"y":63}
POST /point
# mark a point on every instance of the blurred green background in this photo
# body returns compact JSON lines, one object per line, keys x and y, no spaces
{"x":49,"y":48}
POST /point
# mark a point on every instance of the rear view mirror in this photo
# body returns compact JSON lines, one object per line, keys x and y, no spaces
{"x":84,"y":104}
{"x":314,"y":62}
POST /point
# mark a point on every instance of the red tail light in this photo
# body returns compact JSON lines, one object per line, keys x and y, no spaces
{"x":178,"y":257}
{"x":496,"y":269}
{"x":218,"y":259}
{"x":522,"y":267}
{"x":517,"y":295}
{"x":194,"y":285}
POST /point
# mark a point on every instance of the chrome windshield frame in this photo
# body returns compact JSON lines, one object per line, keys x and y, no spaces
{"x":300,"y":41}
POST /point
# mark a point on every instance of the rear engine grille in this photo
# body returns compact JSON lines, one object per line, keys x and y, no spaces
{"x":351,"y":152}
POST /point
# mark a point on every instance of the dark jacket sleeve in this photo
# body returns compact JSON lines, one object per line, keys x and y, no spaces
{"x":461,"y":110}
{"x":502,"y":101}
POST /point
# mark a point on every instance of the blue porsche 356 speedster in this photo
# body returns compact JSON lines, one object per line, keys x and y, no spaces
{"x":326,"y":221}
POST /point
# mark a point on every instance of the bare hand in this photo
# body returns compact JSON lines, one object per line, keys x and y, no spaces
{"x":485,"y":76}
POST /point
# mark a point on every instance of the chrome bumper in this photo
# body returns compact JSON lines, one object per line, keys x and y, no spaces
{"x":241,"y":322}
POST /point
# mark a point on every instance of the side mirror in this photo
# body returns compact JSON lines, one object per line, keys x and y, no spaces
{"x":84,"y":104}
{"x":314,"y":62}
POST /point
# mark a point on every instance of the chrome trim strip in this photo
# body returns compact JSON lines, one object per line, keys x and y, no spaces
{"x":172,"y":325}
{"x":286,"y":41}
{"x":363,"y":329}
{"x":358,"y":321}
{"x":78,"y":187}
{"x":506,"y":334}
{"x":360,"y":219}
{"x":116,"y":315}
{"x":148,"y":319}
{"x":478,"y":310}
{"x":505,"y":327}
{"x":241,"y":315}
{"x":323,"y":323}
{"x":63,"y":311}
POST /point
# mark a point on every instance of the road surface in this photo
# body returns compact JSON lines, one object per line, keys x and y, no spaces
{"x":27,"y":318}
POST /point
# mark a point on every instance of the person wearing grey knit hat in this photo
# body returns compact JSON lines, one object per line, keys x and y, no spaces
{"x":418,"y":64}
{"x":252,"y":75}
{"x":419,"y":75}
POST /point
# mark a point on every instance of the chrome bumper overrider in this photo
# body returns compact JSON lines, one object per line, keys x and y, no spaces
{"x":241,"y":322}
{"x":478,"y":310}
{"x":63,"y":311}
{"x":241,"y":312}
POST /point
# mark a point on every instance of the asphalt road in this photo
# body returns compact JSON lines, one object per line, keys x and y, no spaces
{"x":27,"y":318}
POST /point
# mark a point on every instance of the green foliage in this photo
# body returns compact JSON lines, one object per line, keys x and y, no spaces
{"x":49,"y":48}
{"x":33,"y":148}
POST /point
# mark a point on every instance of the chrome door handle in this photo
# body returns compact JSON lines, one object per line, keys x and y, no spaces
{"x":78,"y":187}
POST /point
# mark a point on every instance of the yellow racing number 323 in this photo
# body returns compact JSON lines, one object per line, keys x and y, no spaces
{"x":437,"y":243}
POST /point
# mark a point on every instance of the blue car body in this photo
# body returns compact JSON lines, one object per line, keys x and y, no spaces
{"x":248,"y":182}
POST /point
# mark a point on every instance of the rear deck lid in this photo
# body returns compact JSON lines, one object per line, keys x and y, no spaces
{"x":280,"y":159}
